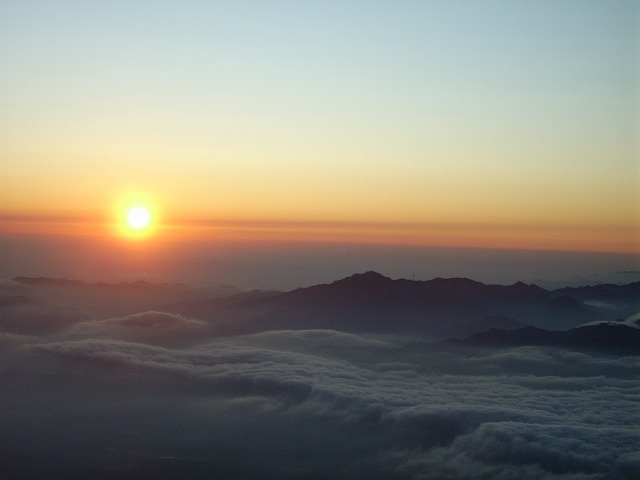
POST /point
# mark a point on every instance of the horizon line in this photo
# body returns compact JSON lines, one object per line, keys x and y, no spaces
{"x":622,"y":239}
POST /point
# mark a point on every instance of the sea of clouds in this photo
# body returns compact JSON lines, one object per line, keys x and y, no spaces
{"x":150,"y":395}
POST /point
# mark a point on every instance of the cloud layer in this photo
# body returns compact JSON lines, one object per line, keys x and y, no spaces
{"x":149,"y":396}
{"x":99,"y":385}
{"x":150,"y":327}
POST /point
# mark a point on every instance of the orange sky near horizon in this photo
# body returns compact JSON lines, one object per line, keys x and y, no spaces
{"x":586,"y":238}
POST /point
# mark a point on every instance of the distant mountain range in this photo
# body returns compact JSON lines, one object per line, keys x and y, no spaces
{"x":107,"y":299}
{"x":367,"y":302}
{"x":370,"y":302}
{"x":604,"y":336}
{"x":617,"y":278}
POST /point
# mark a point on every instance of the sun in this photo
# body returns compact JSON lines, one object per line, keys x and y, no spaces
{"x":137,"y":221}
{"x":138,"y":218}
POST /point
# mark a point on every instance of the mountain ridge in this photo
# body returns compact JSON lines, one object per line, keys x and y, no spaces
{"x":604,"y":336}
{"x":371,"y":302}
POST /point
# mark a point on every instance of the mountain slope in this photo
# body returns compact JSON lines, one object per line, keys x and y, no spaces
{"x":605,"y":336}
{"x":370,"y":302}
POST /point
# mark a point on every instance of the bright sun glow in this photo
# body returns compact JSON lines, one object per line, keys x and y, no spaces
{"x":138,"y":218}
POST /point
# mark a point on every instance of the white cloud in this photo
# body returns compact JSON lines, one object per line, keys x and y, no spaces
{"x":277,"y":405}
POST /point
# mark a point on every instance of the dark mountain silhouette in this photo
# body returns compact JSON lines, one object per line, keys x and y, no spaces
{"x":604,"y":292}
{"x":617,"y":301}
{"x":135,"y":286}
{"x":370,"y":302}
{"x":464,"y":329}
{"x":605,"y":336}
{"x":213,"y":304}
{"x":46,"y":281}
{"x":618,"y":278}
{"x":365,"y":302}
{"x":109,"y":299}
{"x":65,"y":283}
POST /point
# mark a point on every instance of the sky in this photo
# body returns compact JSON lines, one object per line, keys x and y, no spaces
{"x":493,"y":124}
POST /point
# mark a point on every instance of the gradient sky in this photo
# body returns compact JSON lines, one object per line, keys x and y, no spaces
{"x":461,"y":123}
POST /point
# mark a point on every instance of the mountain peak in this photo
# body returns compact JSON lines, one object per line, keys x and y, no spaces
{"x":530,"y":286}
{"x":366,"y":277}
{"x":371,"y":275}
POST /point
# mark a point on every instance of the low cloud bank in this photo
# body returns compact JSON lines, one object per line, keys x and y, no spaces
{"x":150,"y":396}
{"x":149,"y":327}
